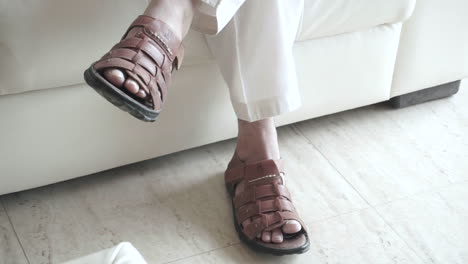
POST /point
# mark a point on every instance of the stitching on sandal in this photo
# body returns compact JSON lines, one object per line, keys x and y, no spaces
{"x":268,"y":176}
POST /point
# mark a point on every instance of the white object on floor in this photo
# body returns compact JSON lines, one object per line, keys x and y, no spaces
{"x":123,"y":253}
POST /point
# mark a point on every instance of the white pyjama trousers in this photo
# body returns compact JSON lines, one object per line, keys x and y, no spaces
{"x":253,"y":48}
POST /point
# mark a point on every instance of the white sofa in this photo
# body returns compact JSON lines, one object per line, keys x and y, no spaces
{"x":53,"y":127}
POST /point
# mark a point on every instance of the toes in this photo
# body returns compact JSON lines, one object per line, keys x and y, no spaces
{"x":132,"y":86}
{"x":115,"y":76}
{"x":141,"y":93}
{"x":266,"y":236}
{"x":277,"y":236}
{"x":291,"y":227}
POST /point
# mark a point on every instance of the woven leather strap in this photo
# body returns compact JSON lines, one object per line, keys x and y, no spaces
{"x":149,"y":57}
{"x":265,"y":199}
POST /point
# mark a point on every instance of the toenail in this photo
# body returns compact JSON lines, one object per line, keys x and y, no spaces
{"x":141,"y":93}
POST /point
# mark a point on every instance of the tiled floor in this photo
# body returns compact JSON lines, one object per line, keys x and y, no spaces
{"x":375,"y":185}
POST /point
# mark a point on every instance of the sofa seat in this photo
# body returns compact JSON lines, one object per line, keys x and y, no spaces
{"x":33,"y":57}
{"x":69,"y":131}
{"x":324,"y":18}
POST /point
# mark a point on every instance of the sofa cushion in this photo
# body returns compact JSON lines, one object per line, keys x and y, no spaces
{"x":323,"y":18}
{"x":49,"y":43}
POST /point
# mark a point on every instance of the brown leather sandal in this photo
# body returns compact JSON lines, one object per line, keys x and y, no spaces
{"x":266,"y":201}
{"x":149,"y":58}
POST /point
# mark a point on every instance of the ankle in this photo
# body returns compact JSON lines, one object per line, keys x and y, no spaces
{"x":257,"y":141}
{"x":254,"y":153}
{"x":177,"y":14}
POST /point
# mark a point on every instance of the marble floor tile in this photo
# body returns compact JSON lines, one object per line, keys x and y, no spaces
{"x":359,"y":237}
{"x":10,"y":248}
{"x":176,"y":206}
{"x":435,"y":224}
{"x":169,"y":208}
{"x":391,"y":153}
{"x":317,"y":189}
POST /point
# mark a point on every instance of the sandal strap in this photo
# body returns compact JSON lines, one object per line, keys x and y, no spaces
{"x":149,"y":57}
{"x":261,"y":207}
{"x":149,"y":48}
{"x":265,"y":199}
{"x":268,"y":222}
{"x":160,"y":32}
{"x":132,"y":55}
{"x":253,"y":171}
{"x":251,"y":195}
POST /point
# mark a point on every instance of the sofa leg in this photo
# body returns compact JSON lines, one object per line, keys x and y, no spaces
{"x":429,"y":94}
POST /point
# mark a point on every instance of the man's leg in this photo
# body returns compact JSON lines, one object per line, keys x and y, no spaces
{"x":254,"y":53}
{"x":258,"y":141}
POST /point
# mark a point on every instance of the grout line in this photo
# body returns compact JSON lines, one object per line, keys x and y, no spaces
{"x":398,"y":234}
{"x":331,"y":164}
{"x":429,"y":191}
{"x":201,"y":253}
{"x":371,"y":207}
{"x":14,"y":230}
{"x":365,"y":200}
{"x":418,"y":193}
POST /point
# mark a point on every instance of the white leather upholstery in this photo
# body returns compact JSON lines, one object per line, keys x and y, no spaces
{"x":325,"y":18}
{"x":50,"y":135}
{"x":123,"y":253}
{"x":51,"y":41}
{"x":40,"y":37}
{"x":344,"y":72}
{"x":59,"y":134}
{"x":433,"y":47}
{"x":48,"y":43}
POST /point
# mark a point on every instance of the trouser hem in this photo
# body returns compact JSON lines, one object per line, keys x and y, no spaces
{"x":266,"y":108}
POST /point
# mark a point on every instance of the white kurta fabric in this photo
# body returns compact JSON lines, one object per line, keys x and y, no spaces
{"x":212,"y":15}
{"x":254,"y":54}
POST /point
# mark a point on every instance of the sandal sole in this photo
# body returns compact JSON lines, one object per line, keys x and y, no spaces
{"x":117,"y":97}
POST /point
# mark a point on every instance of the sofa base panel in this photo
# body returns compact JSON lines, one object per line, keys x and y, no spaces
{"x":428,"y":94}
